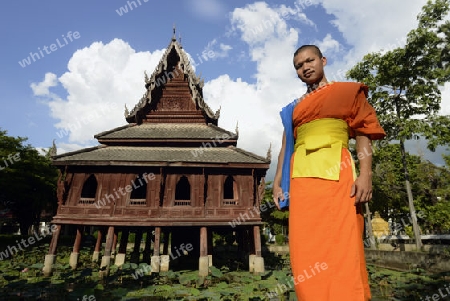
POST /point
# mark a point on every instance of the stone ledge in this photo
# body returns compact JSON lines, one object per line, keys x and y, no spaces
{"x":408,"y":260}
{"x":404,"y":258}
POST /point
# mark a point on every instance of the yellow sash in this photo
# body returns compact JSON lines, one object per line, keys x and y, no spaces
{"x":318,"y":149}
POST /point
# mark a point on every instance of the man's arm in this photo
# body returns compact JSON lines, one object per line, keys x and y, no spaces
{"x":277,"y":192}
{"x":362,"y":187}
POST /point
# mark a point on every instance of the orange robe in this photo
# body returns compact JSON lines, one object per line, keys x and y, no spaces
{"x":325,"y":227}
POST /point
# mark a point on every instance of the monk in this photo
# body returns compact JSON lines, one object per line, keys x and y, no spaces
{"x":316,"y":178}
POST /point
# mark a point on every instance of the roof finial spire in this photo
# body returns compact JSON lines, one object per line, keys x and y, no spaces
{"x":52,"y":151}
{"x":174,"y":37}
{"x":126,"y":111}
{"x":269,"y":152}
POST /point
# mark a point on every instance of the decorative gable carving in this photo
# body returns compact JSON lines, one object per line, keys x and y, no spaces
{"x":174,"y":92}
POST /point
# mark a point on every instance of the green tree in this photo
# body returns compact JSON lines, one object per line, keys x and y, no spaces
{"x":433,"y":196}
{"x":275,"y":219}
{"x":404,"y":84}
{"x":27,"y":181}
{"x":389,"y":193}
{"x":430,"y":185}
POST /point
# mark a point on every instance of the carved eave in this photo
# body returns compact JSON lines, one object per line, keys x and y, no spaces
{"x":195,"y":84}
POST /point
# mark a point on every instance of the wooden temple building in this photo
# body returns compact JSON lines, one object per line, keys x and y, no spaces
{"x":170,"y":172}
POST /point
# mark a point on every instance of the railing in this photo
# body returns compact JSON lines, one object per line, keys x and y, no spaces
{"x":182,"y":203}
{"x":137,"y":202}
{"x":86,"y":201}
{"x":229,"y":202}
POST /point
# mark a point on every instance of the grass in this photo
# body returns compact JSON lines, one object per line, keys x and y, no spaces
{"x":21,"y":279}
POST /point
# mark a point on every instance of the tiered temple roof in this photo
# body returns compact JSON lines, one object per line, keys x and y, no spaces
{"x":170,"y":123}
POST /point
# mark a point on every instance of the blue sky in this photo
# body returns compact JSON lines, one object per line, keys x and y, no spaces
{"x":97,"y":52}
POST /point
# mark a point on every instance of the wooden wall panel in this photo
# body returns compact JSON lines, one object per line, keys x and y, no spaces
{"x":75,"y":190}
{"x":169,"y":195}
{"x":153,"y":191}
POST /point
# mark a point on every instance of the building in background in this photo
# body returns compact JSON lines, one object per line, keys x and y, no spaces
{"x":171,"y":172}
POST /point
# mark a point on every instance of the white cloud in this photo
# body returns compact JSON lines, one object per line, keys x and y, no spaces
{"x":100,"y":80}
{"x":214,"y":51}
{"x":258,"y":23}
{"x":256,"y":106}
{"x":373,"y":24}
{"x":224,"y":47}
{"x":296,"y":13}
{"x":102,"y":77}
{"x":70,"y":147}
{"x":206,"y":9}
{"x":370,"y":26}
{"x":365,"y":26}
{"x":329,"y":45}
{"x":63,"y":148}
{"x":42,"y":88}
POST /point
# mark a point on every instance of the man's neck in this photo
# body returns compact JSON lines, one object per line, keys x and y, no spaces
{"x":314,"y":86}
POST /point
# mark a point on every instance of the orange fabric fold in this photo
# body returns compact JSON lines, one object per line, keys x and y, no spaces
{"x":325,"y":227}
{"x":343,"y":100}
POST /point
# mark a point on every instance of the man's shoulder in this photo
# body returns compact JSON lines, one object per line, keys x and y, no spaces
{"x":353,"y":87}
{"x":350,"y":84}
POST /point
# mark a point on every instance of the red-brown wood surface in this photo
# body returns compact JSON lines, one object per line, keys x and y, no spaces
{"x":209,"y":203}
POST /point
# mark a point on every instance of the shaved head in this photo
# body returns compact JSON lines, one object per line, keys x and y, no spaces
{"x":311,"y":47}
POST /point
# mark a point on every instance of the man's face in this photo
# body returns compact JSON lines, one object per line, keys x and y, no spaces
{"x":309,"y":66}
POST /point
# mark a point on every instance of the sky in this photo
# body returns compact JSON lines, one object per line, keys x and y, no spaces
{"x":69,"y":68}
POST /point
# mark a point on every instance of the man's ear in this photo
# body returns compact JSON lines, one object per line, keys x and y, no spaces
{"x":324,"y":61}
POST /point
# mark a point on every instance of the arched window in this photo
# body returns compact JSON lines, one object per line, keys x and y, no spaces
{"x":89,"y":191}
{"x":138,"y":195}
{"x":183,"y":192}
{"x":229,"y":191}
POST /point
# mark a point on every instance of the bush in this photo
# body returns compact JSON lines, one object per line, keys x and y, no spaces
{"x":218,"y":240}
{"x":279,"y":239}
{"x":409,"y":231}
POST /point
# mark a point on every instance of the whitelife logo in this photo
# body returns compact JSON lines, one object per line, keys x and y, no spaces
{"x":49,"y":49}
{"x":11,"y":158}
{"x":11,"y":250}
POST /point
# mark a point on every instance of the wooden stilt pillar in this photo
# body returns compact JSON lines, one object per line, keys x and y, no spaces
{"x":148,"y":247}
{"x":257,"y":266}
{"x":106,"y":259}
{"x":114,"y":244}
{"x":73,"y":260}
{"x":164,"y":257}
{"x":203,"y":242}
{"x":155,"y":262}
{"x":98,"y":245}
{"x":135,"y":255}
{"x":50,"y":257}
{"x":203,"y":264}
{"x":120,"y":257}
{"x":257,"y":240}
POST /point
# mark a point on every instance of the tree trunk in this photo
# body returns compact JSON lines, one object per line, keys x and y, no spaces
{"x":371,"y":237}
{"x":410,"y":198}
